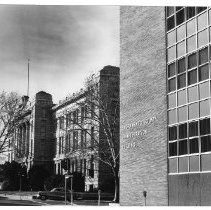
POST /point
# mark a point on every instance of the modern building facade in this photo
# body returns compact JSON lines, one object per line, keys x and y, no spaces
{"x":165,"y":106}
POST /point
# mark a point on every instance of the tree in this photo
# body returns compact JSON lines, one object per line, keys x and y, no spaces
{"x":101,"y":104}
{"x":11,"y":109}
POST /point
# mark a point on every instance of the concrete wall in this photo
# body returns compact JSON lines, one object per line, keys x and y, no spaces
{"x":190,"y":190}
{"x":143,"y":115}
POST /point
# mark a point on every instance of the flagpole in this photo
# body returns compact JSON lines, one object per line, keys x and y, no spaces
{"x":28,"y":79}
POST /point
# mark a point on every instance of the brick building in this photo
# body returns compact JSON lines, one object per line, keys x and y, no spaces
{"x":79,"y":132}
{"x":165,"y":106}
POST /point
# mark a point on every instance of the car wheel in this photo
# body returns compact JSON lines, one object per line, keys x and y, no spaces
{"x":43,"y":197}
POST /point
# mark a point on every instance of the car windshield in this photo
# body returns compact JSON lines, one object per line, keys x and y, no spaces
{"x":57,"y":190}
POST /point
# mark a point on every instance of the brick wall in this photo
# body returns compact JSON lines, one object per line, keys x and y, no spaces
{"x":143,"y":120}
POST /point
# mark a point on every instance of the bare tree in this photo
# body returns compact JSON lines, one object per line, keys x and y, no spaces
{"x":101,"y":112}
{"x":11,"y":109}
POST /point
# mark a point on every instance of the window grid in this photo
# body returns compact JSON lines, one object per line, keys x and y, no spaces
{"x":175,"y":105}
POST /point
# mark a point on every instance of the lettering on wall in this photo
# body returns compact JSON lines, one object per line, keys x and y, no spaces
{"x":136,"y":133}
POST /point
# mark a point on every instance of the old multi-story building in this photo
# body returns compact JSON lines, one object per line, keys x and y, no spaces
{"x":34,"y":136}
{"x":79,"y":133}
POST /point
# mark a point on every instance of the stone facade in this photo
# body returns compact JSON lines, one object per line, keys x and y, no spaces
{"x":143,"y":117}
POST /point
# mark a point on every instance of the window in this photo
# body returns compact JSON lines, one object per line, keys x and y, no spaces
{"x":181,"y":49}
{"x":171,"y":53}
{"x":203,"y":72}
{"x":206,"y":162}
{"x":171,"y":38}
{"x":203,"y":56}
{"x":172,"y":84}
{"x":172,"y":116}
{"x":192,"y":77}
{"x":182,"y":114}
{"x":191,"y":43}
{"x":183,"y":147}
{"x":191,"y":27}
{"x":206,"y":144}
{"x":193,"y":111}
{"x":202,"y":38}
{"x":182,"y":97}
{"x":183,"y":164}
{"x":181,"y":81}
{"x":75,"y":140}
{"x":204,"y":108}
{"x":204,"y":90}
{"x":170,"y":11}
{"x":173,"y":165}
{"x":68,"y":119}
{"x":181,"y":65}
{"x":180,"y":17}
{"x":194,"y":145}
{"x":193,"y":128}
{"x":183,"y":131}
{"x":170,"y":23}
{"x":171,"y":70}
{"x":192,"y":94}
{"x":181,"y":32}
{"x":202,"y":21}
{"x":200,"y":9}
{"x":172,"y":100}
{"x":172,"y":133}
{"x":192,"y":62}
{"x":205,"y":126}
{"x":173,"y":149}
{"x":61,"y":122}
{"x":194,"y":163}
{"x":190,"y":12}
{"x":75,"y":117}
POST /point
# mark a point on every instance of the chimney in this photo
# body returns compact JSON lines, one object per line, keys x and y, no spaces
{"x":25,"y":99}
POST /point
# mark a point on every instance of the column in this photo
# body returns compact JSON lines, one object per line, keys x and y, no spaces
{"x":27,"y":138}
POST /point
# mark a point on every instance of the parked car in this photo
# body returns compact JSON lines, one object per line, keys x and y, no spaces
{"x":55,"y":194}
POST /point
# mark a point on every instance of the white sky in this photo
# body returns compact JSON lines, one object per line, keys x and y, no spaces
{"x":64,"y":43}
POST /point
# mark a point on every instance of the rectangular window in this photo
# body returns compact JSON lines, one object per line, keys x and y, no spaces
{"x":173,"y":149}
{"x":170,"y":11}
{"x":192,"y":61}
{"x":191,"y":27}
{"x":204,"y":90}
{"x":180,"y":17}
{"x":172,"y":116}
{"x":204,"y":108}
{"x":172,"y":100}
{"x":193,"y":129}
{"x":173,"y":165}
{"x":206,"y":162}
{"x":181,"y":81}
{"x":203,"y":56}
{"x":192,"y":94}
{"x":181,"y":49}
{"x":194,"y":163}
{"x":191,"y":43}
{"x":194,"y":145}
{"x":172,"y":84}
{"x":171,"y":53}
{"x":203,"y":72}
{"x":190,"y":12}
{"x":200,"y":9}
{"x":205,"y":126}
{"x":171,"y":38}
{"x":171,"y":69}
{"x":181,"y":32}
{"x":170,"y":23}
{"x":182,"y":97}
{"x":183,"y":164}
{"x":192,"y":77}
{"x":206,"y":144}
{"x":202,"y":21}
{"x":183,"y":131}
{"x":182,"y":114}
{"x":181,"y":65}
{"x":172,"y":133}
{"x":202,"y":38}
{"x":183,"y":147}
{"x":193,"y":110}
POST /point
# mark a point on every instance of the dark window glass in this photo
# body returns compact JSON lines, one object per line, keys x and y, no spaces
{"x":183,"y":131}
{"x":181,"y":65}
{"x":205,"y":126}
{"x":200,"y":9}
{"x":172,"y":84}
{"x":193,"y":129}
{"x":192,"y":77}
{"x":170,"y":11}
{"x":203,"y":56}
{"x":170,"y":23}
{"x":183,"y":147}
{"x":181,"y":81}
{"x":173,"y":149}
{"x":203,"y":72}
{"x":205,"y":144}
{"x":171,"y":70}
{"x":180,"y":16}
{"x":190,"y":12}
{"x":178,"y":8}
{"x":192,"y":62}
{"x":172,"y":133}
{"x":194,"y":145}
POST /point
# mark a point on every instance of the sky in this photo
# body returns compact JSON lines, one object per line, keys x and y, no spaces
{"x":65,"y":44}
